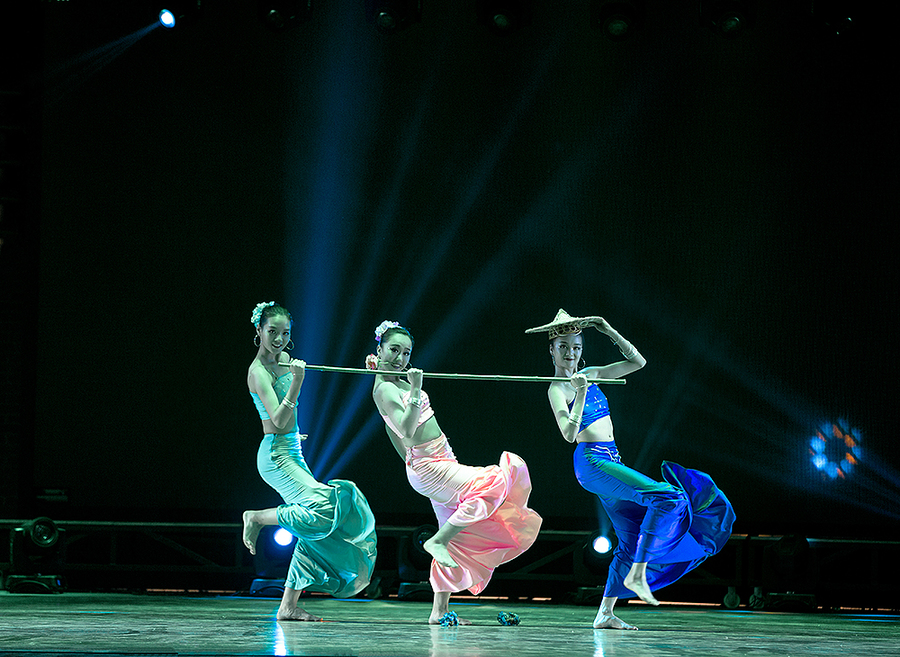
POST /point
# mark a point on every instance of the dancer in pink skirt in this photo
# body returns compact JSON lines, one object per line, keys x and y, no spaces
{"x":482,"y":512}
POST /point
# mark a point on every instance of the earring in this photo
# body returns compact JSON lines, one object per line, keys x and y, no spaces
{"x":290,"y":345}
{"x":582,"y":363}
{"x":255,"y":340}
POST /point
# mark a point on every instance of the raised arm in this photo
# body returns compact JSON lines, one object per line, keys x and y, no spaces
{"x":633,"y":358}
{"x":568,"y":422}
{"x":260,"y":382}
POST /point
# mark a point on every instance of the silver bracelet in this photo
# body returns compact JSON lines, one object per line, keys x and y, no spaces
{"x":288,"y":403}
{"x":416,"y":402}
{"x":631,"y":350}
{"x":575,"y":419}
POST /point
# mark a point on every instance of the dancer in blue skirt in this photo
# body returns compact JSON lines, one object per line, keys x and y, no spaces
{"x":664,"y":528}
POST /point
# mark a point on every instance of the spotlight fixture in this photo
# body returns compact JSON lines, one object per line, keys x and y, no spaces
{"x":617,"y":20}
{"x":280,"y":15}
{"x":273,"y":553}
{"x":283,"y":537}
{"x":591,"y":561}
{"x":274,"y":549}
{"x":391,"y":16}
{"x":37,"y":553}
{"x":414,"y":564}
{"x":834,"y":18}
{"x":504,"y":16}
{"x":177,"y":12}
{"x":728,"y":18}
{"x":835,"y":450}
{"x":601,"y":544}
{"x":167,"y":18}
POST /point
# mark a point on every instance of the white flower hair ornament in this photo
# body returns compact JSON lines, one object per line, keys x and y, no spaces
{"x":258,"y":311}
{"x":371,"y":362}
{"x":384,"y":326}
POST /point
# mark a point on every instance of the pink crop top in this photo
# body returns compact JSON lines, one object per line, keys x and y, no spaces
{"x":424,"y":415}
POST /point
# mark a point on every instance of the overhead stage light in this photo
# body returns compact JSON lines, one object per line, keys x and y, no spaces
{"x":617,"y":20}
{"x":834,"y":18}
{"x":167,"y":18}
{"x":177,"y":12}
{"x":37,"y":553}
{"x":390,"y":16}
{"x":279,"y":15}
{"x":504,"y":16}
{"x":727,"y":18}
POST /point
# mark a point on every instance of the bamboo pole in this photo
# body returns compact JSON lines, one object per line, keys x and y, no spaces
{"x":467,"y":377}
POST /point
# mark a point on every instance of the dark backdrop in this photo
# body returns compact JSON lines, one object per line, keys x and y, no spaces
{"x":725,"y":204}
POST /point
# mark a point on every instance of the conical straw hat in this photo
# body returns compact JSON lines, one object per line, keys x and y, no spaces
{"x":562,"y":324}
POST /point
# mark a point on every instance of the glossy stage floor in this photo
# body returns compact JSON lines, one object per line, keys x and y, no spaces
{"x":120,"y":623}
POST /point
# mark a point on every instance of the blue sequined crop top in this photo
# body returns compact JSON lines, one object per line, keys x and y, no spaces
{"x":281,"y":385}
{"x":595,"y":407}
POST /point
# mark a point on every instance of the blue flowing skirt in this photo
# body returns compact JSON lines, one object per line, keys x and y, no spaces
{"x":673,"y":525}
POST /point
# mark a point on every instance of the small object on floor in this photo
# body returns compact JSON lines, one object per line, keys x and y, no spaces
{"x":508,"y":618}
{"x":449,"y":619}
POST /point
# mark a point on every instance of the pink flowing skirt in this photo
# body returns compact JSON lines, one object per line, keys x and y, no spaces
{"x":490,"y":503}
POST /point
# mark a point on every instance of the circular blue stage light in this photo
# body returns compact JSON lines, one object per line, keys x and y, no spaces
{"x":602,"y":545}
{"x":166,"y":18}
{"x":283,"y":537}
{"x":835,"y":449}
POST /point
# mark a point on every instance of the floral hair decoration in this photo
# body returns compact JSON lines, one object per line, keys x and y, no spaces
{"x":371,"y":362}
{"x":384,"y":326}
{"x":258,"y":311}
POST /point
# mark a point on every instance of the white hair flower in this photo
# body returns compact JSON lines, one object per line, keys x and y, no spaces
{"x":258,"y":311}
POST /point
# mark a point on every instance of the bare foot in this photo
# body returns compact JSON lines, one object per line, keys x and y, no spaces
{"x":251,"y":531}
{"x":435,"y":619}
{"x":639,"y":586}
{"x":295,"y":614}
{"x":439,"y":552}
{"x":605,"y":621}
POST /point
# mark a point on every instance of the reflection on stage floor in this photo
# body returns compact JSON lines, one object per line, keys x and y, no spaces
{"x":206,"y":624}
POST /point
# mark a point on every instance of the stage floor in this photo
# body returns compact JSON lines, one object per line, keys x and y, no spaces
{"x":173,"y":624}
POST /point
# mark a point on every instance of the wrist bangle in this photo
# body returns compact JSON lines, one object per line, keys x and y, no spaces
{"x":287,"y":402}
{"x":416,"y":402}
{"x":575,"y":419}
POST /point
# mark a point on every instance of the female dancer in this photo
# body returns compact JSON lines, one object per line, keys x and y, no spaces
{"x":335,"y":529}
{"x":482,"y":512}
{"x":664,"y":529}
